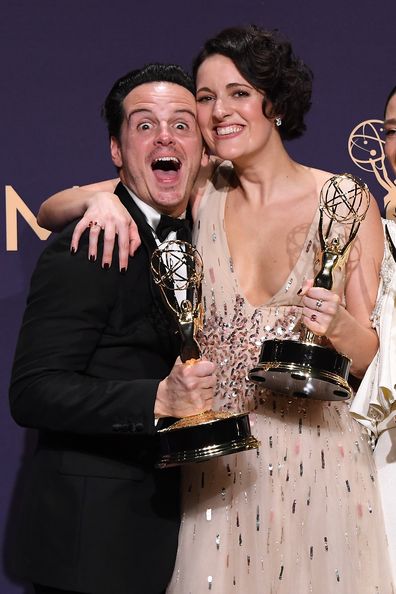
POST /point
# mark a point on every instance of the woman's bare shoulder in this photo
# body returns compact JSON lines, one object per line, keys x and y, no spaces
{"x":337,"y":182}
{"x":321,"y":176}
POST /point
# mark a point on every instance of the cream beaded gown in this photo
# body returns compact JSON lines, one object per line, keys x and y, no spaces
{"x":301,"y":514}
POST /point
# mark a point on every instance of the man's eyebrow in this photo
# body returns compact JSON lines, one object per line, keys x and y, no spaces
{"x":150,"y":111}
{"x":391,"y":121}
{"x":184,"y":110}
{"x":138,"y":110}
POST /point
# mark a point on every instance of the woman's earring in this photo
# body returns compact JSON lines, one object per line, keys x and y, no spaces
{"x":278,"y":122}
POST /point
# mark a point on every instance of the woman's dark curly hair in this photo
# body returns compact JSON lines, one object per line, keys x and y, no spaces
{"x":267,"y":62}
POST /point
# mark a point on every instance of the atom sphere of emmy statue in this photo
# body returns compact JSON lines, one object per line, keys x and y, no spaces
{"x":177,"y":269}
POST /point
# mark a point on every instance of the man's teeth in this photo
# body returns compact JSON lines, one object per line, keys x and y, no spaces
{"x":228,"y":130}
{"x":174,"y":159}
{"x":166,"y":163}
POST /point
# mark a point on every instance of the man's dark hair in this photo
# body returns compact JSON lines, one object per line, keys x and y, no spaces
{"x":267,"y":62}
{"x":113,"y":110}
{"x":393,"y":92}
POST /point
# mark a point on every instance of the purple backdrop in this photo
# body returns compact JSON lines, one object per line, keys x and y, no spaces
{"x":58,"y":61}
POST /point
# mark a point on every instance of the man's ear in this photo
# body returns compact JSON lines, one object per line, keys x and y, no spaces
{"x":115,"y":150}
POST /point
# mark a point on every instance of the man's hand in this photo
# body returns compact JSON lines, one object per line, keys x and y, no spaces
{"x":188,"y":390}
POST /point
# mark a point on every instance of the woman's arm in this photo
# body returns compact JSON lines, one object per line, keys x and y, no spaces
{"x":63,"y":207}
{"x":349,"y":328}
{"x":100,"y":209}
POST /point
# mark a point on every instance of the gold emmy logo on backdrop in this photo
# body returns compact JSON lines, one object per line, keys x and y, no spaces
{"x":366,"y":149}
{"x":14,"y":206}
{"x":306,"y":367}
{"x":177,"y":269}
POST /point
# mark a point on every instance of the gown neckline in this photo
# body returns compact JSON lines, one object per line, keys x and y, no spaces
{"x":291,"y":275}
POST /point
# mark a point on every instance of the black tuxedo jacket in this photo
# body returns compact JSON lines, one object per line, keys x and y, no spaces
{"x":93,"y":346}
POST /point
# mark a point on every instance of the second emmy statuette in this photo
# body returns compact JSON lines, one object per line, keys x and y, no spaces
{"x":178,"y":270}
{"x":306,"y":367}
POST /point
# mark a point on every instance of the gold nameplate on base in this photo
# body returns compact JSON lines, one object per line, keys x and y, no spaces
{"x":177,"y":268}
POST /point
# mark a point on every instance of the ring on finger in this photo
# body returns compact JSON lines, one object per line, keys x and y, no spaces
{"x":319,"y":303}
{"x":313,"y":317}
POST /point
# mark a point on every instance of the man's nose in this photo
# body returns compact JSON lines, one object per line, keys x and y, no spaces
{"x":164,"y":135}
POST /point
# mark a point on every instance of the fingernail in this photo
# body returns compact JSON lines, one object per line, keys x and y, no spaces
{"x":106,"y":265}
{"x":123,"y":270}
{"x":73,"y":250}
{"x":92,"y":258}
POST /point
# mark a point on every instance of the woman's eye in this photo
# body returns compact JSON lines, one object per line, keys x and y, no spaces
{"x":241,"y":93}
{"x":204,"y":99}
{"x":181,"y":126}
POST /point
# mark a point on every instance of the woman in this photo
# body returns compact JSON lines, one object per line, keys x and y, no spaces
{"x":301,"y":515}
{"x":375,"y":402}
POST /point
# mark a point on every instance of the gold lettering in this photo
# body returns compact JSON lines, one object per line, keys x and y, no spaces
{"x":15,"y":205}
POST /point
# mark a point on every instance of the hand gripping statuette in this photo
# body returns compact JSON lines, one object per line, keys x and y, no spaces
{"x":306,"y":367}
{"x":177,"y":269}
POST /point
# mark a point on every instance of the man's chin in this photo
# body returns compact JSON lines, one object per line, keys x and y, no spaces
{"x":171,"y":197}
{"x":170,"y":191}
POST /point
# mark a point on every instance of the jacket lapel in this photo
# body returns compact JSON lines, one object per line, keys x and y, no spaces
{"x":165,"y":321}
{"x":145,"y":231}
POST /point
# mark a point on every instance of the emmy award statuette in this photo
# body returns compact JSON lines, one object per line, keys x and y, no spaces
{"x":306,"y":367}
{"x":178,"y":271}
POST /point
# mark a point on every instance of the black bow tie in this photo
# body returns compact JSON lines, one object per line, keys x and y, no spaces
{"x":169,"y":224}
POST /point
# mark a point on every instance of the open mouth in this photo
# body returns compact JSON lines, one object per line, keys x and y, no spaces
{"x":166,"y":164}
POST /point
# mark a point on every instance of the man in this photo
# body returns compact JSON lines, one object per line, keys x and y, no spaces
{"x":95,"y":364}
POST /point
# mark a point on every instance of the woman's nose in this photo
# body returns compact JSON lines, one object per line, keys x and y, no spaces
{"x":221,"y":109}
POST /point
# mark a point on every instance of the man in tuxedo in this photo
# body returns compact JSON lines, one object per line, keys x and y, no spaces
{"x":95,"y":369}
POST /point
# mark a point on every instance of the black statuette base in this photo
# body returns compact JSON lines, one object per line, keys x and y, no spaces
{"x":197,"y":443}
{"x":303,"y":369}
